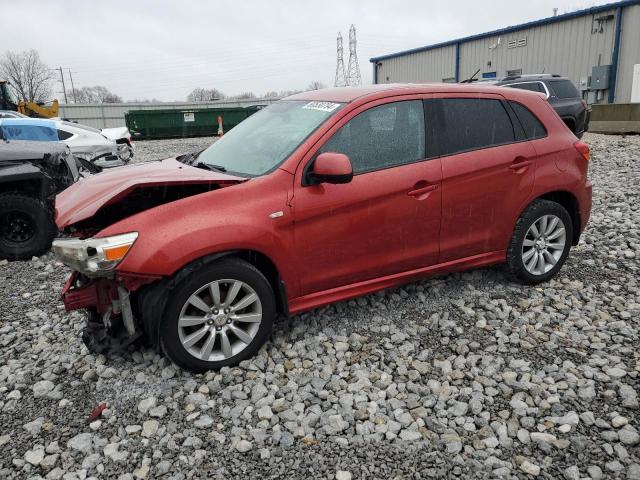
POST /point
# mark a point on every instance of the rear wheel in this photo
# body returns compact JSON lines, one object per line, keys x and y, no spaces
{"x":26,"y":227}
{"x":220,"y":315}
{"x":540,"y":243}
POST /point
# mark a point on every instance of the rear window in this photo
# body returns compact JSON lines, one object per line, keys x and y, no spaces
{"x":473,"y":123}
{"x":533,"y":128}
{"x":531,"y":86}
{"x":62,"y":135}
{"x":564,"y":89}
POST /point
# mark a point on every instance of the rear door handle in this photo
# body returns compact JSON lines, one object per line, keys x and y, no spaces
{"x":520,"y":164}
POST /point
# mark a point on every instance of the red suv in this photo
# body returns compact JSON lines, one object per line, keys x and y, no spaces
{"x":321,"y":197}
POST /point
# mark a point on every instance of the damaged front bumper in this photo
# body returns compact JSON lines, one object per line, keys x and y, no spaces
{"x":108,"y":301}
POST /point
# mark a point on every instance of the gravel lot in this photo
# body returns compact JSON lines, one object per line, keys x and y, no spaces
{"x":465,"y":375}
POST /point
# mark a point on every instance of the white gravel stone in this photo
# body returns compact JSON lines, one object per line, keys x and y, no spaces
{"x":83,"y":442}
{"x":530,"y":468}
{"x":42,"y":388}
{"x":243,"y":446}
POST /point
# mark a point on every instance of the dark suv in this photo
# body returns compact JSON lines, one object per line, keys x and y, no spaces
{"x":561,"y":94}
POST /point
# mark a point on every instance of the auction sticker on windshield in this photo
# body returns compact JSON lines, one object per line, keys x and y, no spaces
{"x":322,"y":106}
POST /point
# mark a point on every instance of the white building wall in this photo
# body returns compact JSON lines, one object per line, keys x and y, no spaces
{"x":431,"y":66}
{"x":629,"y":53}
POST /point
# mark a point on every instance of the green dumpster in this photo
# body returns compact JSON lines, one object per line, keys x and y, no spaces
{"x":168,"y":123}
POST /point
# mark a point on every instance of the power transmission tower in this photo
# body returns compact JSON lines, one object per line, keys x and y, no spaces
{"x":64,"y":89}
{"x":353,"y":70}
{"x":341,"y":81}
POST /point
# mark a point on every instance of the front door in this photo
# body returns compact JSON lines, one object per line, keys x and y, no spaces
{"x":387,"y":219}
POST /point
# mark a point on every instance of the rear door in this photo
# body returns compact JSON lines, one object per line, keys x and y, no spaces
{"x":387,"y":219}
{"x":488,"y":171}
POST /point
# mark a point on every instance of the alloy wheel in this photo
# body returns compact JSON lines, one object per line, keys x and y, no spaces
{"x":17,"y":227}
{"x":543,"y":244}
{"x":219,"y":320}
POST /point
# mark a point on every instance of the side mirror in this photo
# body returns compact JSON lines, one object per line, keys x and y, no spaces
{"x":331,"y":167}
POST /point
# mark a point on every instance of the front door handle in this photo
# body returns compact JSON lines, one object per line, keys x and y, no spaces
{"x":421,"y":190}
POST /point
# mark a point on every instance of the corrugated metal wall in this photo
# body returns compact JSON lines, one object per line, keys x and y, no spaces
{"x":433,"y":66}
{"x":105,"y":115}
{"x":629,"y":52}
{"x":570,"y":47}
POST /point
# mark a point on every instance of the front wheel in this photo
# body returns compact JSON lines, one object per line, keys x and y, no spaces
{"x":218,"y":316}
{"x":540,"y":243}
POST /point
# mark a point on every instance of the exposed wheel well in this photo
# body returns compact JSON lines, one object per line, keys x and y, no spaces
{"x":569,"y":202}
{"x":269,"y":270}
{"x":32,"y":188}
{"x":570,"y":122}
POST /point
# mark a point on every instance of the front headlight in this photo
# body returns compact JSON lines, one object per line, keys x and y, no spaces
{"x":94,"y":256}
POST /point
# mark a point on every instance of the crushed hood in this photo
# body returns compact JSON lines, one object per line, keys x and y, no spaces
{"x":86,"y":197}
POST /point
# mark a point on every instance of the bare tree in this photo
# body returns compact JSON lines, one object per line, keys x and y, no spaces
{"x":28,"y":74}
{"x":205,"y":95}
{"x":286,"y":93}
{"x":244,"y":96}
{"x":96,"y":94}
{"x":316,"y":85}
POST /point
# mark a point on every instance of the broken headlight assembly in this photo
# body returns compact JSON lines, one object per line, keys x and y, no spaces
{"x":94,"y":257}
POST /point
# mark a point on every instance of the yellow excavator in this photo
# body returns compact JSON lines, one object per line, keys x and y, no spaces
{"x":9,"y":101}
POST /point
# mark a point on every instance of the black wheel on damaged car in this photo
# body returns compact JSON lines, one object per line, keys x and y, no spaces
{"x":218,"y":316}
{"x":26,"y":227}
{"x":540,"y":242}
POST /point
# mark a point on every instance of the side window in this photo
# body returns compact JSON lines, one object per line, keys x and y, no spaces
{"x":531,"y":86}
{"x":472,"y":123}
{"x":381,"y":137}
{"x":62,"y":135}
{"x":533,"y":128}
{"x":564,"y":89}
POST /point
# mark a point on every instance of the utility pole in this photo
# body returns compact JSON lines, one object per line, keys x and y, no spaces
{"x":63,"y":87}
{"x":73,"y":88}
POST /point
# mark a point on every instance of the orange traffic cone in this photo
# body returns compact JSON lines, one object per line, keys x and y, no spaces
{"x":220,"y":130}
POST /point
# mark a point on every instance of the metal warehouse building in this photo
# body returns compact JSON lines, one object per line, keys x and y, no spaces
{"x":597,"y":48}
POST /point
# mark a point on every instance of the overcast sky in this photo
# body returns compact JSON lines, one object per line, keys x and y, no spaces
{"x":163,"y":49}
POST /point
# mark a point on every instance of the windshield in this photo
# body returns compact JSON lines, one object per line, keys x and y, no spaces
{"x":264,"y":140}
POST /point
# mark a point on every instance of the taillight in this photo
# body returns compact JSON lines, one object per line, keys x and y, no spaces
{"x":584,"y":104}
{"x":583,"y":149}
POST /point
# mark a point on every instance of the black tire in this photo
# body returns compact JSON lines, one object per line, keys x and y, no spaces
{"x":227,"y":268}
{"x":26,"y":227}
{"x":536,"y":210}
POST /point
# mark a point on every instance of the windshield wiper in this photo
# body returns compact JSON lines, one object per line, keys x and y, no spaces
{"x":189,"y":158}
{"x":207,"y":166}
